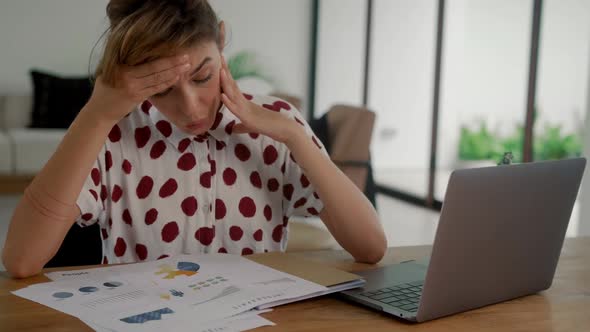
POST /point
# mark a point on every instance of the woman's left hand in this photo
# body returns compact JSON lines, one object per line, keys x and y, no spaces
{"x":254,"y":118}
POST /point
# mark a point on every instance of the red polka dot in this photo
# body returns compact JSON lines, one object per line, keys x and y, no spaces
{"x":242,"y":152}
{"x":236,"y":233}
{"x":158,"y":149}
{"x":219,"y":145}
{"x":268,"y":213}
{"x":145,"y":107}
{"x":127,"y":217}
{"x":229,"y":176}
{"x":163,"y":256}
{"x":168,"y":188}
{"x":201,"y":138}
{"x":255,"y":179}
{"x":218,"y":118}
{"x":258,"y":235}
{"x":170,"y":232}
{"x":299,"y":121}
{"x":120,"y":247}
{"x":282,"y":105}
{"x":142,"y":136}
{"x":312,"y":211}
{"x":247,"y":207}
{"x":205,"y":179}
{"x":103,"y":233}
{"x":189,"y":206}
{"x":316,"y":195}
{"x":304,"y":181}
{"x":277,"y":233}
{"x":229,"y":128}
{"x":87,"y":216}
{"x":94,"y":194}
{"x":164,"y":127}
{"x":247,"y":251}
{"x":205,"y":235}
{"x":105,"y":260}
{"x":300,"y":202}
{"x":117,"y":193}
{"x":144,"y":188}
{"x":283,"y":168}
{"x":126,"y":166}
{"x":248,"y":96}
{"x":108,"y":160}
{"x":222,"y":250}
{"x":288,"y":191}
{"x":182,"y":145}
{"x":285,"y":221}
{"x":95,"y":175}
{"x":110,"y":222}
{"x":273,"y":185}
{"x":186,"y":162}
{"x":270,"y":155}
{"x":220,"y":209}
{"x":103,"y":192}
{"x":141,"y":251}
{"x":315,"y":141}
{"x":150,"y":216}
{"x":271,"y":107}
{"x":253,"y":135}
{"x":213,"y":165}
{"x":115,"y":134}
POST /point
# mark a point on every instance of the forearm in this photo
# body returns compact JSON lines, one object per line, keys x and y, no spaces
{"x":348,"y":214}
{"x":48,"y":209}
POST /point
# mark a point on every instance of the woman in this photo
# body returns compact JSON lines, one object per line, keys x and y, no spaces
{"x":169,"y":156}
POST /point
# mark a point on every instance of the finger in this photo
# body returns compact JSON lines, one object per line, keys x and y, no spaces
{"x":226,"y":85}
{"x":233,"y":107}
{"x":152,"y":90}
{"x":159,"y":65}
{"x":163,"y":76}
{"x":240,"y":128}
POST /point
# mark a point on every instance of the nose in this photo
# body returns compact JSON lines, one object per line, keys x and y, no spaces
{"x":188,"y":105}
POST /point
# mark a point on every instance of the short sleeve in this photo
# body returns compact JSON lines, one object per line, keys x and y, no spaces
{"x":92,"y":196}
{"x":299,"y":195}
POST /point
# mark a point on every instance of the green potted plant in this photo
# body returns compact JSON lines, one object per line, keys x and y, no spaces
{"x":248,"y":73}
{"x":478,"y":148}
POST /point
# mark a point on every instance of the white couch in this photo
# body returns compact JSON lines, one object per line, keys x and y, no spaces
{"x":23,"y":151}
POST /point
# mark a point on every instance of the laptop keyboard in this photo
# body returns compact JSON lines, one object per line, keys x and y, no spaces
{"x":404,"y":296}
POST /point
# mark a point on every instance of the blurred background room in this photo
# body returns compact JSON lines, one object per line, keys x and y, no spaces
{"x":404,"y":91}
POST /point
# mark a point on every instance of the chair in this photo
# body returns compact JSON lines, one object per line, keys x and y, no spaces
{"x":346,"y":132}
{"x":81,"y":246}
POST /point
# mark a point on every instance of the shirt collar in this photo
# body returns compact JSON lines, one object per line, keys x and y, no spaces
{"x":220,"y":131}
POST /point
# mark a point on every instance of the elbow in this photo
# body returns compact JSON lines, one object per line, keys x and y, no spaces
{"x":375,"y":253}
{"x":18,"y":268}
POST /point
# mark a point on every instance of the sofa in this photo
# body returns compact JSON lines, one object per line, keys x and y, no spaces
{"x":24,"y":150}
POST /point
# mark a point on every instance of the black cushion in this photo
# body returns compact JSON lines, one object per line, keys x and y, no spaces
{"x":57,"y":100}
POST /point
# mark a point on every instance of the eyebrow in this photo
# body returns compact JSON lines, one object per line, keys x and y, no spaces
{"x":207,"y":59}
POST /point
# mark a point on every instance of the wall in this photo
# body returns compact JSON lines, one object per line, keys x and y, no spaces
{"x":58,"y":35}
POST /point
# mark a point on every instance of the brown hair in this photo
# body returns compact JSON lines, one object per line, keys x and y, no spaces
{"x":144,"y":30}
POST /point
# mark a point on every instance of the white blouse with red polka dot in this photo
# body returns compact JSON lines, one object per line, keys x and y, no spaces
{"x":157,"y":191}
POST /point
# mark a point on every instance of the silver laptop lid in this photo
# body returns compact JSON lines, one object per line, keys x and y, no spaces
{"x":500,"y":234}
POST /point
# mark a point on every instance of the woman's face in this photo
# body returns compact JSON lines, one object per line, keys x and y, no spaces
{"x":192,"y":103}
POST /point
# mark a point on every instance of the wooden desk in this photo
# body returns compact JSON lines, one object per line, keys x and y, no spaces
{"x":564,"y":307}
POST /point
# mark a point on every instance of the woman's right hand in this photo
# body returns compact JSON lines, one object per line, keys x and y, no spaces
{"x":134,"y":84}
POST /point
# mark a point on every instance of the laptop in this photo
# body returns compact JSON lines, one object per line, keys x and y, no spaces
{"x":499,"y":237}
